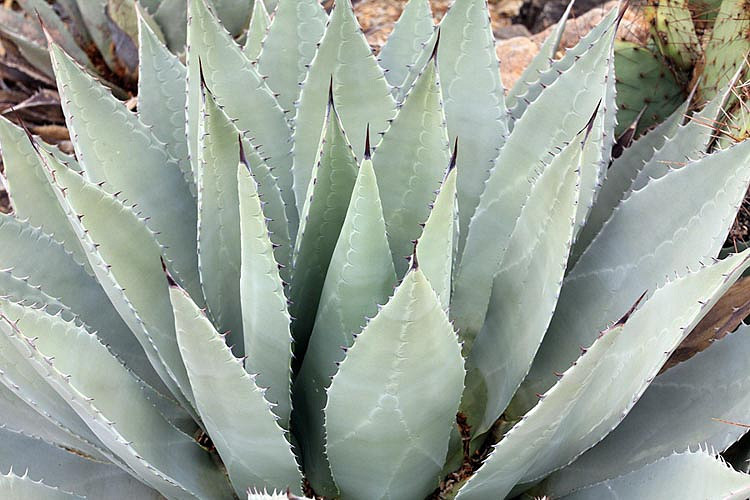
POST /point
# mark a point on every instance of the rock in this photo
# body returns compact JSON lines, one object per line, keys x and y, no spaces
{"x":539,"y":15}
{"x":516,"y":53}
{"x":514,"y":30}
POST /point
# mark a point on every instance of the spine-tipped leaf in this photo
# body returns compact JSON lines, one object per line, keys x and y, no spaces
{"x":399,"y":387}
{"x":114,"y":147}
{"x":328,"y":196}
{"x":581,"y":408}
{"x":112,"y":403}
{"x":234,"y":409}
{"x":410,"y":161}
{"x":359,"y":89}
{"x":265,"y":316}
{"x":359,"y":279}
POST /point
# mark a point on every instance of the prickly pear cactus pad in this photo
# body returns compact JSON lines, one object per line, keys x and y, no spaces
{"x":298,"y":270}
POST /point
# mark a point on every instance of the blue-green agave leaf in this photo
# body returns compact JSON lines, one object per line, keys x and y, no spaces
{"x":399,"y":386}
{"x":617,"y":267}
{"x":546,"y":125}
{"x":679,"y":410}
{"x":112,"y":403}
{"x":474,"y":99}
{"x":237,"y":416}
{"x":328,"y":196}
{"x":265,"y":316}
{"x":289,"y":48}
{"x":117,"y":149}
{"x":359,"y":89}
{"x":688,"y":476}
{"x":360,"y":277}
{"x":410,"y":161}
{"x":407,"y":41}
{"x":581,"y":409}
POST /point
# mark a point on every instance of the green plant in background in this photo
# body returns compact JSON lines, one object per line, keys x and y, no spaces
{"x":222,"y":295}
{"x":695,"y":44}
{"x":102,"y":35}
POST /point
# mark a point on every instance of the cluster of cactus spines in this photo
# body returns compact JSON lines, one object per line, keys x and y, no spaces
{"x":298,"y":269}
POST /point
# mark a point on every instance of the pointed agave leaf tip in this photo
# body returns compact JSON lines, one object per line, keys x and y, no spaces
{"x":454,"y":156}
{"x":590,"y":125}
{"x":433,"y":56}
{"x":330,"y":93}
{"x":626,"y":138}
{"x":414,"y":261}
{"x":367,"y":142}
{"x":26,"y":130}
{"x":623,"y":9}
{"x":243,"y":157}
{"x":170,"y":280}
{"x":632,"y":309}
{"x":203,"y":84}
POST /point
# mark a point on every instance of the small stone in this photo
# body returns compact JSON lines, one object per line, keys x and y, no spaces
{"x":514,"y":30}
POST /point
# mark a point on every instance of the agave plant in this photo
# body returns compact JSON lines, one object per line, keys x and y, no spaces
{"x":362,"y":285}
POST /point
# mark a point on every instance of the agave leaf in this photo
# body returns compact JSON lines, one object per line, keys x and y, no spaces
{"x":359,"y":88}
{"x":596,"y":154}
{"x":474,"y":99}
{"x":360,"y":277}
{"x":616,"y":267}
{"x":219,"y":220}
{"x":20,"y":290}
{"x":265,"y":318}
{"x":420,"y":390}
{"x":525,"y":289}
{"x":581,"y":408}
{"x":172,"y":17}
{"x":678,"y":411}
{"x":690,"y":141}
{"x":114,"y":147}
{"x":289,"y":48}
{"x":112,"y":403}
{"x":621,"y":174}
{"x":30,"y":193}
{"x":33,"y":52}
{"x":558,"y":68}
{"x":541,"y":62}
{"x":410,"y":161}
{"x":68,"y":471}
{"x":406,"y":42}
{"x":688,"y":475}
{"x":20,"y":487}
{"x":127,"y":264}
{"x":547,"y":124}
{"x":56,"y":28}
{"x":234,"y":14}
{"x":328,"y":196}
{"x":273,"y":208}
{"x":259,"y":23}
{"x":161,"y":96}
{"x":93,"y":13}
{"x":236,"y":413}
{"x":21,"y":380}
{"x":274,"y":495}
{"x":56,"y":274}
{"x":439,"y":239}
{"x":19,"y":416}
{"x":256,"y":112}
